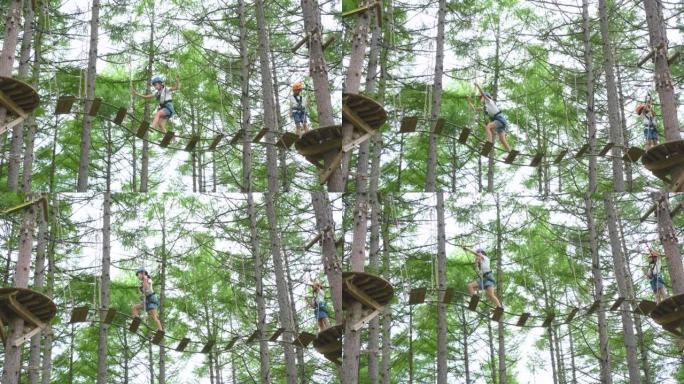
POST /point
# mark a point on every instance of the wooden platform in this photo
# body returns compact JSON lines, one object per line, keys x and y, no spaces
{"x":317,"y":142}
{"x":304,"y":339}
{"x":669,"y":313}
{"x":371,"y":291}
{"x":18,"y":99}
{"x":663,"y":158}
{"x":329,"y":343}
{"x":364,"y":108}
{"x":36,"y":309}
{"x":645,"y":307}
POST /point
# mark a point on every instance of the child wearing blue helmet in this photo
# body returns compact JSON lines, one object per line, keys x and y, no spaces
{"x":164,"y":100}
{"x":485,"y":280}
{"x":319,"y":306}
{"x":149,"y":299}
{"x":497,"y":121}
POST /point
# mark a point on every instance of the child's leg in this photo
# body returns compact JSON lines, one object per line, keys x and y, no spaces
{"x":502,"y":138}
{"x":155,"y":120}
{"x":326,"y":324}
{"x":153,"y":314}
{"x":162,"y":124}
{"x":490,"y":293}
{"x":489,"y":127}
{"x":136,"y":309}
{"x":471,"y":287}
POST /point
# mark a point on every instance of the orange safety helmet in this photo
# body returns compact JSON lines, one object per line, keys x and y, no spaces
{"x":640,"y":108}
{"x":297,"y":86}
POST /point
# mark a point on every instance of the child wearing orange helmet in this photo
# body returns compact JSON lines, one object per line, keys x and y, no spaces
{"x":655,"y":275}
{"x":298,"y":105}
{"x":319,"y":306}
{"x":650,"y":131}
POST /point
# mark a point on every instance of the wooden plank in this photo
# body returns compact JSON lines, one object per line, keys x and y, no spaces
{"x":511,"y":156}
{"x":11,"y":105}
{"x":439,"y":126}
{"x":64,"y":104}
{"x":232,"y":342}
{"x":237,"y":137}
{"x":323,"y":177}
{"x":549,"y":319}
{"x":287,"y":140}
{"x":498,"y":313}
{"x":109,"y":316}
{"x":183,"y":344}
{"x":26,"y":336}
{"x":582,"y":151}
{"x":95,"y":107}
{"x":276,"y":334}
{"x":648,"y":213}
{"x":355,"y":119}
{"x":3,"y":336}
{"x":166,"y":140}
{"x":486,"y":148}
{"x":671,"y":317}
{"x":313,"y":241}
{"x":192,"y":143}
{"x":24,"y":312}
{"x":523,"y":319}
{"x":571,"y":315}
{"x":350,"y":145}
{"x":448,"y":296}
{"x":158,"y":337}
{"x":304,"y":339}
{"x":633,"y":154}
{"x":463,"y":137}
{"x":616,"y":305}
{"x":259,"y":135}
{"x":474,"y":300}
{"x":215,"y":142}
{"x":378,"y":13}
{"x":643,"y":60}
{"x":359,"y":295}
{"x":560,"y":156}
{"x":645,"y":307}
{"x":536,"y":160}
{"x":300,"y":43}
{"x":252,"y":337}
{"x":417,"y":296}
{"x":208,"y":346}
{"x":408,"y":124}
{"x":44,"y":205}
{"x":358,"y":10}
{"x":79,"y":314}
{"x":135,"y":324}
{"x":594,"y":307}
{"x":120,"y":116}
{"x":606,"y":148}
{"x":142,"y":130}
{"x":329,"y":41}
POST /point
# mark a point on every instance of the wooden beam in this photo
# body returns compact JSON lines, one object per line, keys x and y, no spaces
{"x":347,"y":147}
{"x":523,"y":319}
{"x":142,"y":130}
{"x":645,"y":307}
{"x":358,"y":10}
{"x":673,"y":58}
{"x":3,"y":336}
{"x":64,"y":104}
{"x":11,"y":105}
{"x":79,"y":314}
{"x":214,"y":143}
{"x":498,"y":313}
{"x":360,"y":295}
{"x":259,"y":135}
{"x":486,"y":148}
{"x":166,"y":140}
{"x":329,"y":41}
{"x":237,"y":137}
{"x":364,"y":320}
{"x":606,"y":148}
{"x":23,"y":312}
{"x":8,"y":126}
{"x":252,"y":337}
{"x":536,"y":160}
{"x":560,"y":156}
{"x":304,"y":339}
{"x":300,"y":43}
{"x":549,"y":319}
{"x":109,"y":316}
{"x":448,"y":295}
{"x":417,"y":296}
{"x":325,"y":175}
{"x":511,"y":156}
{"x":643,"y":60}
{"x":135,"y":324}
{"x":192,"y":143}
{"x":183,"y":344}
{"x":232,"y":342}
{"x":355,"y":119}
{"x":594,"y":307}
{"x":276,"y":334}
{"x":313,"y":241}
{"x":26,"y":336}
{"x":439,"y":126}
{"x":208,"y":346}
{"x":571,"y":315}
{"x":616,"y":305}
{"x":582,"y":151}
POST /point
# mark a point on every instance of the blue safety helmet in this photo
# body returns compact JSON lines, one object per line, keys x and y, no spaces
{"x":157,"y":79}
{"x":481,"y":251}
{"x":140,"y":270}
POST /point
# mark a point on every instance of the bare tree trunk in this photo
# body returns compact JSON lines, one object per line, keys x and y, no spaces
{"x":503,"y":378}
{"x":623,"y":120}
{"x":616,"y":134}
{"x":442,"y":367}
{"x":495,"y":93}
{"x":91,"y":75}
{"x":12,"y":366}
{"x":47,"y":352}
{"x":387,"y":313}
{"x":331,"y":264}
{"x":102,"y":347}
{"x":430,"y":178}
{"x":38,"y":282}
{"x":161,"y":379}
{"x":244,"y":101}
{"x":492,"y":356}
{"x":145,"y":155}
{"x":318,"y":69}
{"x":264,"y":372}
{"x":668,"y":238}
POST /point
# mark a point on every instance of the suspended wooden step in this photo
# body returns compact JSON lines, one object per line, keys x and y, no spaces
{"x":669,"y":313}
{"x":64,"y":104}
{"x":142,"y":129}
{"x":616,"y":305}
{"x":571,"y":315}
{"x":95,"y":107}
{"x":166,"y":140}
{"x":237,"y":137}
{"x":606,"y":148}
{"x":548,"y":320}
{"x":582,"y":151}
{"x":120,"y":116}
{"x":215,"y":141}
{"x":594,"y":307}
{"x":536,"y":160}
{"x":408,"y":124}
{"x":260,"y":135}
{"x":19,"y":100}
{"x":304,"y":339}
{"x":633,"y":154}
{"x":192,"y":143}
{"x":183,"y":344}
{"x":417,"y":296}
{"x":135,"y":324}
{"x":463,"y":137}
{"x":559,"y":157}
{"x":645,"y":307}
{"x":498,"y":313}
{"x":208,"y":346}
{"x":329,"y":343}
{"x":158,"y":337}
{"x":523,"y":319}
{"x":439,"y":126}
{"x":287,"y":140}
{"x":486,"y":148}
{"x":232,"y":342}
{"x":276,"y":334}
{"x":448,"y":296}
{"x":474,"y":300}
{"x":511,"y":156}
{"x":109,"y":316}
{"x":663,"y":159}
{"x":34,"y":308}
{"x":252,"y":337}
{"x":79,"y":314}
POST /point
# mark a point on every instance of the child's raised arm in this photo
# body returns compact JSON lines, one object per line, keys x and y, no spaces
{"x":176,"y":86}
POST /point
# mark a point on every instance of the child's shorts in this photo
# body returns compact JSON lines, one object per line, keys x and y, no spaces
{"x":486,"y":282}
{"x":500,"y":122}
{"x":151,"y":302}
{"x":321,"y":312}
{"x":650,"y":134}
{"x":657,"y":283}
{"x":168,"y":110}
{"x":299,"y":117}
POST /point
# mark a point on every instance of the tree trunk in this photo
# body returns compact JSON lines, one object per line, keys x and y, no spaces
{"x":161,"y":379}
{"x":668,"y":238}
{"x":442,"y":367}
{"x":38,"y":282}
{"x":318,"y":69}
{"x":430,"y":178}
{"x":12,"y":366}
{"x":499,"y":278}
{"x":492,"y":356}
{"x":616,"y":134}
{"x":102,"y":348}
{"x":244,"y":101}
{"x":91,"y":75}
{"x":623,"y":120}
{"x":331,"y":264}
{"x":47,"y":352}
{"x":495,"y":93}
{"x":604,"y":356}
{"x":387,"y":312}
{"x":145,"y":155}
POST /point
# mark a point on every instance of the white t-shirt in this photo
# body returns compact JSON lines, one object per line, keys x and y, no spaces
{"x":484,"y":265}
{"x":490,"y":107}
{"x":294,"y":103}
{"x":149,"y":290}
{"x":163,"y":95}
{"x":649,"y":120}
{"x":655,"y":268}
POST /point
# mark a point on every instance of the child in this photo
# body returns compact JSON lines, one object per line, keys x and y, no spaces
{"x":149,"y":299}
{"x":650,"y":130}
{"x":163,"y":95}
{"x":485,"y":280}
{"x":319,"y":306}
{"x":653,"y":273}
{"x":497,"y":121}
{"x":298,"y":109}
